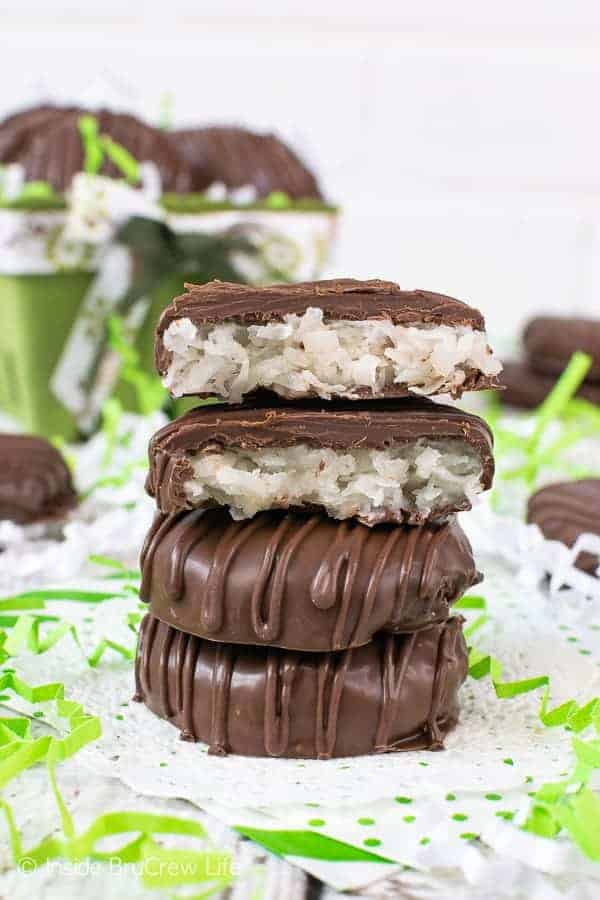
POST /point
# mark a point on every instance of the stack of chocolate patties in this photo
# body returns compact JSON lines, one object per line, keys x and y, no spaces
{"x":549,"y":342}
{"x":302,"y":567}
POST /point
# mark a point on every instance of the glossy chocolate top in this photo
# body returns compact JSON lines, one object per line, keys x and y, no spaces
{"x":526,"y":388}
{"x":339,"y":298}
{"x":35,"y":483}
{"x":304,"y":582}
{"x":55,"y":153}
{"x":237,"y":157}
{"x":377,"y":425}
{"x":550,"y":341}
{"x":565,"y":510}
{"x":398,"y":692}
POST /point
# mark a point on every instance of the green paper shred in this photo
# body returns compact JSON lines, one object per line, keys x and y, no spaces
{"x":151,"y":395}
{"x":36,"y":599}
{"x":26,"y":633}
{"x":119,"y":479}
{"x":167,"y":104}
{"x":20,"y":753}
{"x":278,"y":200}
{"x":120,"y":571}
{"x":559,"y":397}
{"x":107,"y":644}
{"x":96,"y":146}
{"x":470,"y":602}
{"x":121,"y":158}
{"x":93,"y":154}
{"x":580,"y":419}
{"x":569,"y":805}
{"x":570,"y":715}
{"x":160,"y":867}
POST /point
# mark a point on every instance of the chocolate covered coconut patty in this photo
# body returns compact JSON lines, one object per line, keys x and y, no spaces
{"x":566,"y":510}
{"x":303,"y":582}
{"x":398,"y":692}
{"x":35,"y":482}
{"x":550,"y":341}
{"x":392,"y":461}
{"x":329,"y":339}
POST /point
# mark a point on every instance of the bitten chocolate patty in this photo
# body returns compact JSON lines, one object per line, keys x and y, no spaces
{"x":550,"y":341}
{"x":236,"y":157}
{"x":329,"y":339}
{"x":299,"y":581}
{"x":564,"y":511}
{"x":35,"y":483}
{"x":526,"y":388}
{"x":396,"y":693}
{"x":406,"y":460}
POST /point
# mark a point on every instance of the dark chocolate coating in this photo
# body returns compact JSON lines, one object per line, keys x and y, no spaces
{"x":55,"y":154}
{"x":18,"y":129}
{"x":564,"y":511}
{"x":35,"y":482}
{"x":341,"y":298}
{"x":301,"y":582}
{"x":526,"y":388}
{"x":237,"y":157}
{"x":550,"y":341}
{"x":378,"y":425}
{"x":397,"y":693}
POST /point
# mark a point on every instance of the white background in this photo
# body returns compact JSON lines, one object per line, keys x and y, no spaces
{"x":462,"y":139}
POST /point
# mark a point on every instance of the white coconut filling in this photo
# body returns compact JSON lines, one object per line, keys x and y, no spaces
{"x":422,"y":477}
{"x":306,"y":355}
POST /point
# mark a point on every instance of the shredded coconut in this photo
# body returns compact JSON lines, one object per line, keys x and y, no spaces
{"x":306,"y":355}
{"x":372,"y":485}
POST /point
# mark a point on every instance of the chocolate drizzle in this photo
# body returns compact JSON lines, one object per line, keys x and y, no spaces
{"x":188,"y":677}
{"x":564,"y":511}
{"x":267,"y":702}
{"x":280,"y":674}
{"x":331,"y":676}
{"x":211,"y":615}
{"x":337,"y":574}
{"x":301,"y":581}
{"x":220,"y":699}
{"x":269,"y":589}
{"x":447,"y":655}
{"x":395,"y":661}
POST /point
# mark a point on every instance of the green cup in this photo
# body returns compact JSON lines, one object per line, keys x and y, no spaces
{"x":38,"y":312}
